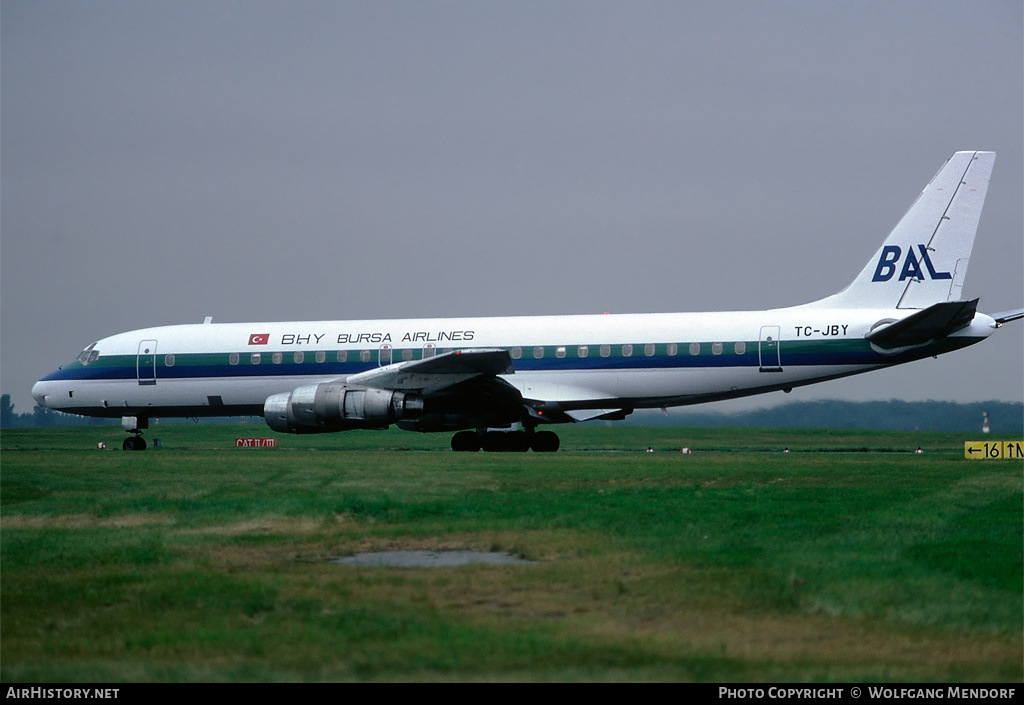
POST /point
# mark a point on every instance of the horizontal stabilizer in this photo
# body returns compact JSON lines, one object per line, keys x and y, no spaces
{"x":936,"y":321}
{"x":1007,"y":316}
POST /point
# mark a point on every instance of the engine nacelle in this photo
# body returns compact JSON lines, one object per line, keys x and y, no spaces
{"x":333,"y":406}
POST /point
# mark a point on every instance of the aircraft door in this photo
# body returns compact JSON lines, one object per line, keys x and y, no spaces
{"x":384,"y":355}
{"x":768,"y":350}
{"x":145,"y":365}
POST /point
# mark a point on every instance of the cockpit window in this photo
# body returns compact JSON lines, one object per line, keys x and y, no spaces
{"x":89,"y":355}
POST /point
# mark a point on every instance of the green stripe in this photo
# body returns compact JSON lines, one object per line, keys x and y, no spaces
{"x":661,"y":350}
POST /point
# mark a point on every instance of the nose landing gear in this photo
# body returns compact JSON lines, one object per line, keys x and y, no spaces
{"x":134,"y":425}
{"x":134,"y":443}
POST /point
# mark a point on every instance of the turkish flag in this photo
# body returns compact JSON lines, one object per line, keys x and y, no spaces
{"x":259,"y":338}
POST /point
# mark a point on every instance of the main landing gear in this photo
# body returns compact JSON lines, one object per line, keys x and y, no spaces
{"x":134,"y":425}
{"x":505,"y":441}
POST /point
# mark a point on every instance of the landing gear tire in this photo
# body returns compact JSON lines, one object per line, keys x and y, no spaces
{"x":134,"y":443}
{"x":518,"y":442}
{"x":545,"y":442}
{"x":506,"y":442}
{"x":466,"y":442}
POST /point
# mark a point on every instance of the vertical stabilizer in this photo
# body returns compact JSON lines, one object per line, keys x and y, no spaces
{"x":924,"y":259}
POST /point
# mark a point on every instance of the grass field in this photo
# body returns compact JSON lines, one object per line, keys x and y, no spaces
{"x":849,"y":558}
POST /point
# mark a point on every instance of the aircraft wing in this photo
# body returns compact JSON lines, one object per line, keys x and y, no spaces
{"x":936,"y":321}
{"x":433,"y":374}
{"x":470,"y":374}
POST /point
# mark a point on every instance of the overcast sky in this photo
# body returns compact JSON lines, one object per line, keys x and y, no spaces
{"x":166,"y":161}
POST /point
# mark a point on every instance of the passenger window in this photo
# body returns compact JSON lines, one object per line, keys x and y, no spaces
{"x":364,"y":355}
{"x":255,"y":358}
{"x":606,"y":350}
{"x":233,"y":359}
{"x":582,"y":351}
{"x":560,"y":351}
{"x":538,"y":352}
{"x":716,"y":348}
{"x":407,"y":354}
{"x":516,"y":352}
{"x":276,"y":358}
{"x":695,"y":348}
{"x":740,"y":347}
{"x":168,"y":360}
{"x":342,"y":355}
{"x":627,"y":350}
{"x":320,"y":356}
{"x":298,"y":357}
{"x":649,"y":349}
{"x":672,"y":349}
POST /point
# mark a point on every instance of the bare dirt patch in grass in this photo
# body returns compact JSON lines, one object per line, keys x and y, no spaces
{"x":85,"y":521}
{"x":263,"y":525}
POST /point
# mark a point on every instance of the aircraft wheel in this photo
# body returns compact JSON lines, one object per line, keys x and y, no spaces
{"x":466,"y":442}
{"x":494,"y":442}
{"x":134,"y":443}
{"x":545,"y":442}
{"x":518,"y":442}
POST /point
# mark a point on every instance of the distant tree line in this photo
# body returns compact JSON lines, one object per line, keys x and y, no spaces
{"x":41,"y":417}
{"x":1004,"y":417}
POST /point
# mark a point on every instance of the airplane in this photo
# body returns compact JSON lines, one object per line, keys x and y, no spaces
{"x":498,"y":383}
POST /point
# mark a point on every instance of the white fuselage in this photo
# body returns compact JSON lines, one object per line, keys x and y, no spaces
{"x":561,"y":362}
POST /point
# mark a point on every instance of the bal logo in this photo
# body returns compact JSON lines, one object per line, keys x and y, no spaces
{"x":911,"y":265}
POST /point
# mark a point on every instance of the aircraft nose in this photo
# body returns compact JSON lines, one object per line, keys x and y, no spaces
{"x":39,"y":393}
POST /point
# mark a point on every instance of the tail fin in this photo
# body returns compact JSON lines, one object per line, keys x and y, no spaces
{"x":924,"y":259}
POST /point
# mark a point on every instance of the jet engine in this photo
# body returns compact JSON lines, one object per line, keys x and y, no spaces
{"x":333,"y":406}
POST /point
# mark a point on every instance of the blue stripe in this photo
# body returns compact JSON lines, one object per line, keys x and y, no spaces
{"x":791,"y":357}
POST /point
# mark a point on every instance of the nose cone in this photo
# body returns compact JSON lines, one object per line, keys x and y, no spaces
{"x":39,"y":392}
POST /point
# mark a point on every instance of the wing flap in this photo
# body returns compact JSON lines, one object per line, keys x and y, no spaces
{"x":595,"y":414}
{"x":552,"y":391}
